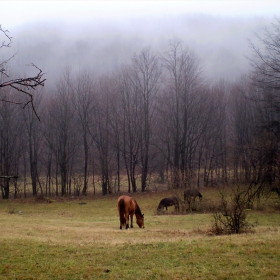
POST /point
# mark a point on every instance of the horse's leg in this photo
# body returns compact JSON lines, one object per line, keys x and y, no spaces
{"x":189,"y":203}
{"x":194,"y":203}
{"x":127,"y":220}
{"x":131,"y":220}
{"x":121,"y":220}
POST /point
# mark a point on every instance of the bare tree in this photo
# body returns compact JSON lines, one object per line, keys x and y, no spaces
{"x":145,"y":75}
{"x":34,"y":141}
{"x":60,"y":136}
{"x":212,"y":154}
{"x":84,"y":106}
{"x":11,"y":144}
{"x":266,"y":79}
{"x":101,"y":133}
{"x":130,"y":127}
{"x":266,"y":61}
{"x":183,"y":80}
{"x":23,"y":85}
{"x":116,"y":125}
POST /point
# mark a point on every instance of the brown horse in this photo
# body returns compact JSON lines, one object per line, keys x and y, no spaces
{"x":128,"y":207}
{"x":169,"y":201}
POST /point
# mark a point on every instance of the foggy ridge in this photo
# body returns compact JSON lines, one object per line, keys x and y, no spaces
{"x":221,"y":43}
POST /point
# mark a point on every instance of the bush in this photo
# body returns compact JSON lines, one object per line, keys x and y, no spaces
{"x":231,"y":214}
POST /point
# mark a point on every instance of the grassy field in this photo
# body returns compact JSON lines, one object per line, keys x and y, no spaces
{"x":79,"y":238}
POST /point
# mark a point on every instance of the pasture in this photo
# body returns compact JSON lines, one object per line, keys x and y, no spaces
{"x":79,"y":238}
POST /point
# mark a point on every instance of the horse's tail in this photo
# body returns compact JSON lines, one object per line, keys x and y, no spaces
{"x":122,"y":211}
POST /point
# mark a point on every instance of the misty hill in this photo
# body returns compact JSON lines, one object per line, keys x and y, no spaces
{"x":221,"y":43}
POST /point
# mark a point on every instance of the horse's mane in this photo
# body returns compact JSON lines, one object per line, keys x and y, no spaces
{"x":138,"y":210}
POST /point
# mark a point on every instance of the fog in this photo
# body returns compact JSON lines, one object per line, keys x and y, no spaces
{"x":101,"y":45}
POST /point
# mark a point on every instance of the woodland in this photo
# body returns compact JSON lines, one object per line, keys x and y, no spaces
{"x":151,"y":123}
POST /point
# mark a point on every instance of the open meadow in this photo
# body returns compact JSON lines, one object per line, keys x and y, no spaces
{"x":79,"y":238}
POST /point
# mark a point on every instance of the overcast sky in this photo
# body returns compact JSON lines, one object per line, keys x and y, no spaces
{"x":103,"y":34}
{"x":14,"y":13}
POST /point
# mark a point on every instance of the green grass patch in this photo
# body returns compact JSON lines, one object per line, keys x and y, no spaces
{"x":80,"y":239}
{"x":238,"y":257}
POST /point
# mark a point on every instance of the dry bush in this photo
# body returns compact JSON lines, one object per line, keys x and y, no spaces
{"x":231,"y":214}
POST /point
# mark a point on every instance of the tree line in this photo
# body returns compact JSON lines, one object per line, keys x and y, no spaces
{"x":154,"y":120}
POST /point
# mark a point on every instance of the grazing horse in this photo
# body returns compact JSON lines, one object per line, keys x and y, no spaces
{"x":192,"y":193}
{"x":169,"y":201}
{"x":188,"y":195}
{"x":128,"y":207}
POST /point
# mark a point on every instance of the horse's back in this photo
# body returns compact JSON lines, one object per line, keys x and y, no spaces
{"x":127,"y":201}
{"x":163,"y":201}
{"x":175,"y":199}
{"x":125,"y":198}
{"x":192,"y":193}
{"x":168,"y":201}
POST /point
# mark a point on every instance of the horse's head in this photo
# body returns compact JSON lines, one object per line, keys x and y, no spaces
{"x":200,"y":196}
{"x":159,"y":207}
{"x":140,"y":221}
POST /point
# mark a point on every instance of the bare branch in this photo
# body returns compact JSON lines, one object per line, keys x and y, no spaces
{"x":266,"y":62}
{"x":9,"y":101}
{"x":2,"y":68}
{"x":22,"y":84}
{"x":5,"y":32}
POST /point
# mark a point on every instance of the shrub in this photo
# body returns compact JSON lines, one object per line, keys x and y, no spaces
{"x":231,"y":214}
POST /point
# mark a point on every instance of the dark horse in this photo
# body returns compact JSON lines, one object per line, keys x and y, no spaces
{"x":128,"y":207}
{"x":169,"y":201}
{"x":192,"y":193}
{"x":190,"y":196}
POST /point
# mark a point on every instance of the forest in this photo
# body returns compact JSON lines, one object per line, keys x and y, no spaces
{"x":153,"y":121}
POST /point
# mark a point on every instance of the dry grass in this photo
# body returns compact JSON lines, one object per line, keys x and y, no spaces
{"x":65,"y":227}
{"x":80,"y":239}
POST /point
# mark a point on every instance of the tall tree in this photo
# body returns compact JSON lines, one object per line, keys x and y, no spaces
{"x":63,"y":141}
{"x":84,"y":102}
{"x":266,"y":78}
{"x":11,"y":143}
{"x":34,"y":137}
{"x":145,"y":77}
{"x":129,"y":127}
{"x":182,"y":77}
{"x":102,"y":134}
